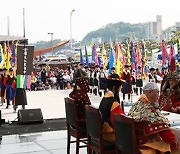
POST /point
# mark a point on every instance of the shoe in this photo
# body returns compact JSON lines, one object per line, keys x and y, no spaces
{"x":7,"y":107}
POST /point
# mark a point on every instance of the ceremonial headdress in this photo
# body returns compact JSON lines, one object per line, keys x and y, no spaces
{"x":172,"y":75}
{"x":81,"y":79}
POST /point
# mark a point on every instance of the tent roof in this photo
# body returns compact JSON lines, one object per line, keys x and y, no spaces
{"x":11,"y":38}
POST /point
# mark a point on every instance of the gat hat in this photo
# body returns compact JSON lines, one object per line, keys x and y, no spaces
{"x":85,"y":66}
{"x":75,"y":65}
{"x":4,"y":69}
{"x":150,"y":86}
{"x":139,"y":67}
{"x":172,"y":75}
{"x":113,"y":68}
{"x":101,"y":67}
{"x":80,"y":64}
{"x":152,"y":69}
{"x":113,"y":79}
{"x":97,"y":66}
{"x":10,"y":70}
{"x":1,"y":69}
{"x":126,"y":66}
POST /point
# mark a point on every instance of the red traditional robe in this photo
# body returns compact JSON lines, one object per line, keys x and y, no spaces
{"x":151,"y":125}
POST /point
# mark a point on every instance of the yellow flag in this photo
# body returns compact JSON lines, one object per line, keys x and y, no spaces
{"x":128,"y":56}
{"x":5,"y":56}
{"x":118,"y":63}
{"x":8,"y":51}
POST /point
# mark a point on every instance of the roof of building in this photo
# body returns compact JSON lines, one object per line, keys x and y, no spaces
{"x":11,"y":38}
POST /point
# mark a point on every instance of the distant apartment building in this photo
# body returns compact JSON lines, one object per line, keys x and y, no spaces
{"x":153,"y":30}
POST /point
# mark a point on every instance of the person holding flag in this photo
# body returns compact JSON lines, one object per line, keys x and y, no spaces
{"x":9,"y":83}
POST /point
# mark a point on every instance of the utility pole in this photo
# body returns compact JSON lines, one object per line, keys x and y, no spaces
{"x":8,"y":29}
{"x":71,"y":28}
{"x":51,"y":41}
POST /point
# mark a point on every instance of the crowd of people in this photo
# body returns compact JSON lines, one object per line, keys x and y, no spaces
{"x":152,"y":127}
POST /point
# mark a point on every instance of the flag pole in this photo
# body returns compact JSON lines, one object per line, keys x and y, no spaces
{"x":24,"y":30}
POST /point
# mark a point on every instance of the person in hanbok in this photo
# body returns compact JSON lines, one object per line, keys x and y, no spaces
{"x":170,"y":95}
{"x":79,"y":93}
{"x":152,"y":127}
{"x":110,"y":105}
{"x":127,"y":86}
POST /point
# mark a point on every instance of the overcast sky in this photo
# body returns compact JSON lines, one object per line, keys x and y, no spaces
{"x":44,"y":16}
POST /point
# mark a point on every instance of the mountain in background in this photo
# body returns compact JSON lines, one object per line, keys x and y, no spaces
{"x":118,"y":31}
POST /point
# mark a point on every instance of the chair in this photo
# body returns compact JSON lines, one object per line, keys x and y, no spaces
{"x":125,"y":134}
{"x":73,"y":126}
{"x":94,"y":133}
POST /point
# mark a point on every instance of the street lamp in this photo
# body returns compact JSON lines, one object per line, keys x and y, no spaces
{"x":51,"y":41}
{"x":71,"y":28}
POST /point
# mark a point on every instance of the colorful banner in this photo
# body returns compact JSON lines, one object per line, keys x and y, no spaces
{"x":111,"y":59}
{"x":21,"y":81}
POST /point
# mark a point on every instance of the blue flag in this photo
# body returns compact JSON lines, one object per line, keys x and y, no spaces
{"x":81,"y":56}
{"x":87,"y":60}
{"x":111,"y":59}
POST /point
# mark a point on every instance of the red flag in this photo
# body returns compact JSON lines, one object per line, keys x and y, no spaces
{"x":164,"y":53}
{"x":171,"y":56}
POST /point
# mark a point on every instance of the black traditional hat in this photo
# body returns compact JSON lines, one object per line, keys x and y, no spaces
{"x":10,"y":70}
{"x":75,"y":66}
{"x":97,"y":66}
{"x":4,"y":69}
{"x":114,"y":79}
{"x":152,"y":69}
{"x":113,"y":68}
{"x":85,"y":66}
{"x":126,"y":66}
{"x":101,"y":67}
{"x":139,"y":67}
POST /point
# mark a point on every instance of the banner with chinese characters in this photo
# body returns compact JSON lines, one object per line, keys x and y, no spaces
{"x":24,"y":59}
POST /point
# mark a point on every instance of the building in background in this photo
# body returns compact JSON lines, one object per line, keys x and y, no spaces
{"x":153,"y":30}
